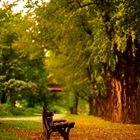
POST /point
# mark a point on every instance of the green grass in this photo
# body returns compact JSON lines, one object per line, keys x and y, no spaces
{"x":20,"y":124}
{"x":96,"y":122}
{"x":8,"y":135}
{"x":19,"y":129}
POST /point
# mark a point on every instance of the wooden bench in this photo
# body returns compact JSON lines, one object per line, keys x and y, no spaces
{"x":50,"y":126}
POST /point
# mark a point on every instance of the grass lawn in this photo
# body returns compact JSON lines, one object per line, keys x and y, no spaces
{"x":86,"y":128}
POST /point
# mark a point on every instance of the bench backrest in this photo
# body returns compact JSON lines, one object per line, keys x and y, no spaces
{"x":47,"y":117}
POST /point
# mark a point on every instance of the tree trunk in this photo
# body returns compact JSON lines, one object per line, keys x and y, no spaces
{"x":96,"y":108}
{"x":91,"y":106}
{"x":123,"y":100}
{"x":74,"y":109}
{"x":122,"y":91}
{"x":130,"y":96}
{"x":115,"y":101}
{"x":31,"y":102}
{"x":76,"y":104}
{"x":3,"y":97}
{"x":122,"y":103}
{"x":139,"y":102}
{"x":103,"y":103}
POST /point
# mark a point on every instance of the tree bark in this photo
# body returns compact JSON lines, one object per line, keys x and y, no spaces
{"x":123,"y":85}
{"x":122,"y":102}
{"x":91,"y":105}
{"x":115,"y":101}
{"x":130,"y":96}
{"x":3,"y":97}
{"x":74,"y":109}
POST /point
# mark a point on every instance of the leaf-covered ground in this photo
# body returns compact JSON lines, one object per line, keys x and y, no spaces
{"x":86,"y":128}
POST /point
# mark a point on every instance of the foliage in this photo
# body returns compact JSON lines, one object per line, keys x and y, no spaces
{"x":93,"y":47}
{"x":7,"y":110}
{"x":93,"y":43}
{"x":75,"y":60}
{"x":22,"y":72}
{"x":4,"y":109}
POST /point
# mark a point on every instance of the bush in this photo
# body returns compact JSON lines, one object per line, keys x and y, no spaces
{"x":7,"y":110}
{"x":57,"y":109}
{"x":33,"y":111}
{"x":17,"y":111}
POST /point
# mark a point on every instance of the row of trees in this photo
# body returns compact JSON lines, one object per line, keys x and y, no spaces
{"x":94,"y":52}
{"x":97,"y":51}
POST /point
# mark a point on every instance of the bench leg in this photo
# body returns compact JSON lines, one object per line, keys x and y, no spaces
{"x":67,"y":132}
{"x":63,"y":132}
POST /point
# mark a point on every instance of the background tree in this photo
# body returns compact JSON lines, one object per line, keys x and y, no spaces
{"x":9,"y":65}
{"x":22,"y":61}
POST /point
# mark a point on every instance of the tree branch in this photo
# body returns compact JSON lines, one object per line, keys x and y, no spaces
{"x":83,"y":97}
{"x":107,"y":69}
{"x":87,"y":30}
{"x":83,"y":5}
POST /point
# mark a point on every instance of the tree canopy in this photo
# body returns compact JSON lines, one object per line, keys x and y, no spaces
{"x":93,"y":48}
{"x":98,"y":40}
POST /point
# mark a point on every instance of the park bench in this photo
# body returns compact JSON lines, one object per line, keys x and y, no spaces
{"x":57,"y":127}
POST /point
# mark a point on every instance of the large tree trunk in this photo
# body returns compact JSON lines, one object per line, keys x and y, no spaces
{"x":139,"y":101}
{"x":115,"y":101}
{"x":123,"y":97}
{"x":130,"y":96}
{"x":122,"y":101}
{"x":129,"y":84}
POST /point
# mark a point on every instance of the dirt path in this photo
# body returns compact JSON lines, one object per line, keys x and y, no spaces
{"x":56,"y":116}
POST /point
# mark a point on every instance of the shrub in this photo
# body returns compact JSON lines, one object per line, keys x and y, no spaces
{"x":57,"y":109}
{"x":5,"y":110}
{"x":8,"y":110}
{"x":17,"y":111}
